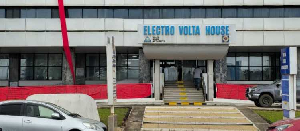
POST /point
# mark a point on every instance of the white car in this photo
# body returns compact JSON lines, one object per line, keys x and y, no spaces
{"x":25,"y":115}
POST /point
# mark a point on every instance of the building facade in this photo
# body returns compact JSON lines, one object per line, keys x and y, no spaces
{"x":31,"y":50}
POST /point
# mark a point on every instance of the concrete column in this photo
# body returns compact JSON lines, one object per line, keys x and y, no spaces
{"x":221,"y":70}
{"x":80,"y":69}
{"x":14,"y":72}
{"x":67,"y":78}
{"x":144,"y":75}
{"x":156,"y":79}
{"x":210,"y":76}
{"x":298,"y":65}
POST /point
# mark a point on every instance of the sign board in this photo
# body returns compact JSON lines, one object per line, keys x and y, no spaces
{"x":111,"y":71}
{"x":289,"y":71}
{"x":187,"y":34}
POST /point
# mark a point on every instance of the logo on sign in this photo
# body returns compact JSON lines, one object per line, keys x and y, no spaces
{"x":225,"y":39}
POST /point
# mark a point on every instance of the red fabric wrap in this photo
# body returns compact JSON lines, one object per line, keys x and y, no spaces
{"x":98,"y":92}
{"x":65,"y":36}
{"x":232,"y":91}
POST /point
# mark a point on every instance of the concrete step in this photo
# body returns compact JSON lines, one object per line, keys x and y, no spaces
{"x":183,"y":93}
{"x":180,"y":101}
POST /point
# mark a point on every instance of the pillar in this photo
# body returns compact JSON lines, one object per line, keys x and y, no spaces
{"x":210,"y":83}
{"x":14,"y":63}
{"x":298,"y":63}
{"x":157,"y":79}
{"x":220,"y":70}
{"x":80,"y":69}
{"x":144,"y":68}
{"x":67,"y":78}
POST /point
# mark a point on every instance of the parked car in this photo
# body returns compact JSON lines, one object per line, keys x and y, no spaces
{"x":266,"y":95}
{"x":285,"y":125}
{"x":25,"y":115}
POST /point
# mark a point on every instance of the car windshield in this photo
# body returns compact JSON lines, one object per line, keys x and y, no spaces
{"x":60,"y":108}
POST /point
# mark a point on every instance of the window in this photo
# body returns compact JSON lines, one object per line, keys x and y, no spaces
{"x":197,"y":13}
{"x":43,"y":13}
{"x":168,"y":13}
{"x":151,"y":14}
{"x":229,"y":13}
{"x":38,"y":111}
{"x":96,"y":67}
{"x":261,"y":13}
{"x":105,"y":13}
{"x":135,"y":13}
{"x":213,"y":13}
{"x":252,"y":66}
{"x":276,"y":12}
{"x":11,"y":109}
{"x":4,"y":66}
{"x":90,"y":13}
{"x":41,"y":67}
{"x":245,"y":13}
{"x":2,"y":13}
{"x":182,"y":13}
{"x":74,"y":13}
{"x":292,"y":12}
{"x":13,"y":13}
{"x":28,"y":13}
{"x":121,"y":13}
{"x":54,"y":13}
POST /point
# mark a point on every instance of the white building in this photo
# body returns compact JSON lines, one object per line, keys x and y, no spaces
{"x":31,"y":50}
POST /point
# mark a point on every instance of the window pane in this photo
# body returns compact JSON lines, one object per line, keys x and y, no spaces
{"x":230,"y":73}
{"x":31,"y":13}
{"x":26,"y":59}
{"x":136,"y":13}
{"x":167,"y":13}
{"x":26,"y":73}
{"x":74,"y":13}
{"x":189,"y":63}
{"x":278,"y":60}
{"x":55,"y":59}
{"x":40,"y":60}
{"x":201,"y":63}
{"x":54,"y":13}
{"x":45,"y":112}
{"x":292,"y":12}
{"x":230,"y":59}
{"x":105,"y":13}
{"x":40,"y":73}
{"x":261,"y":13}
{"x":276,"y":12}
{"x":103,"y":73}
{"x":121,"y":13}
{"x":278,"y":74}
{"x":4,"y":60}
{"x":269,"y":73}
{"x":255,"y":59}
{"x":182,"y":13}
{"x":92,"y":60}
{"x":2,"y":13}
{"x":242,"y":73}
{"x":9,"y":13}
{"x":245,"y":13}
{"x":213,"y":13}
{"x":121,"y":73}
{"x":11,"y":109}
{"x":256,"y":73}
{"x":103,"y":61}
{"x":268,"y":59}
{"x":197,"y":13}
{"x":92,"y":73}
{"x":151,"y":13}
{"x":4,"y":73}
{"x":90,"y":13}
{"x":229,"y":13}
{"x":54,"y":73}
{"x":133,"y":60}
{"x":32,"y":111}
{"x":133,"y":72}
{"x":241,"y":59}
{"x":43,"y":13}
{"x":121,"y":59}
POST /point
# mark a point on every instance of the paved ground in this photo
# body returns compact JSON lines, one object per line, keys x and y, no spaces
{"x":194,"y":118}
{"x":259,"y":122}
{"x":135,"y":119}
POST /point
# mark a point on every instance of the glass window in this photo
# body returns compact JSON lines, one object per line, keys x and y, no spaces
{"x":133,"y":60}
{"x":54,"y":73}
{"x":121,"y":13}
{"x":92,"y":60}
{"x":213,"y":13}
{"x":255,"y":73}
{"x":201,"y":63}
{"x":151,"y":14}
{"x":121,"y":73}
{"x":268,"y":59}
{"x":92,"y":73}
{"x":74,"y":13}
{"x":26,"y":59}
{"x":167,"y":13}
{"x":242,"y":59}
{"x":26,"y":73}
{"x":13,"y":13}
{"x":183,"y":13}
{"x":242,"y":73}
{"x":197,"y":13}
{"x":229,"y":13}
{"x":55,"y":59}
{"x":4,"y":60}
{"x":45,"y":112}
{"x":230,"y":59}
{"x":121,"y":59}
{"x":40,"y":59}
{"x":11,"y":109}
{"x":103,"y":61}
{"x":40,"y":73}
{"x":2,"y":13}
{"x":269,"y":73}
{"x":245,"y":13}
{"x":43,"y":13}
{"x":292,"y":12}
{"x":31,"y":13}
{"x":261,"y":12}
{"x":105,"y":13}
{"x":54,"y":13}
{"x":231,"y":73}
{"x":255,"y":59}
{"x":4,"y":66}
{"x":135,"y":13}
{"x":276,"y":12}
{"x":133,"y":72}
{"x":4,"y":73}
{"x":90,"y":13}
{"x":103,"y":73}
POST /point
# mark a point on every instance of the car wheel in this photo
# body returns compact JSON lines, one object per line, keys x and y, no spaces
{"x":257,"y":104}
{"x":265,"y":100}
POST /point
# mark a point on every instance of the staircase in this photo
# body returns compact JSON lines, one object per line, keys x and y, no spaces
{"x":182,"y":93}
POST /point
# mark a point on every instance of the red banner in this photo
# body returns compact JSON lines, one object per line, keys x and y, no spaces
{"x":232,"y":91}
{"x":64,"y":32}
{"x":98,"y":92}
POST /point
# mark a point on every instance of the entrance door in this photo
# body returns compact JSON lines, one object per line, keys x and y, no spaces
{"x":170,"y":70}
{"x":178,"y":70}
